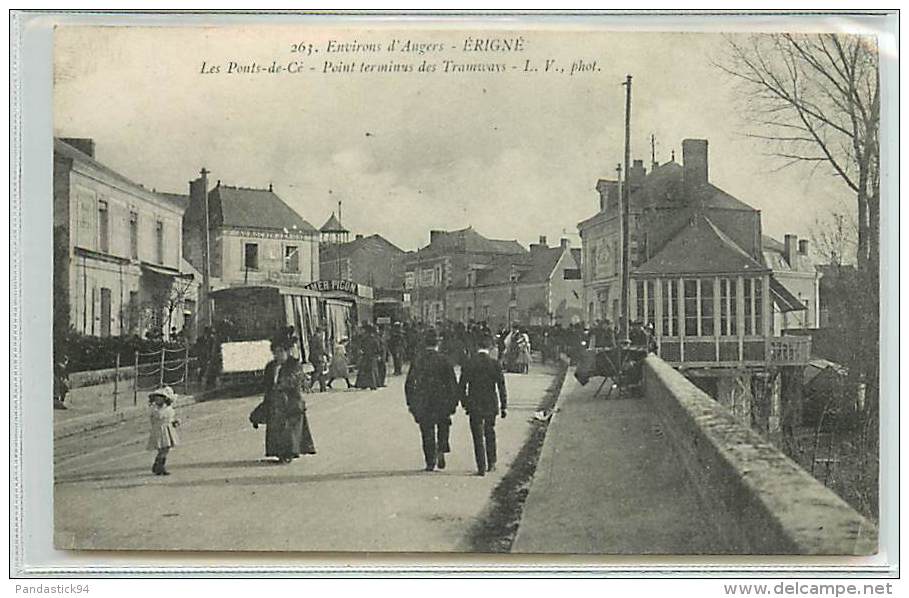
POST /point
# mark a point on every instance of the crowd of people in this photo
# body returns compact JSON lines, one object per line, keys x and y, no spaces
{"x":433,"y":390}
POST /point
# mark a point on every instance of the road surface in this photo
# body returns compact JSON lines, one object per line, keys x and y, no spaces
{"x":364,"y":491}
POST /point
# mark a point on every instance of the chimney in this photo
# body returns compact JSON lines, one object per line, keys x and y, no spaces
{"x":564,"y":243}
{"x":636,"y":174}
{"x":790,"y":251}
{"x":269,"y":187}
{"x":358,"y":236}
{"x":803,"y":246}
{"x":86,"y":145}
{"x":694,"y":162}
{"x":434,"y":235}
{"x":543,"y":240}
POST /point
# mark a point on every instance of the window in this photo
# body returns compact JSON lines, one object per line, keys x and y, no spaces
{"x":571,"y":274}
{"x":646,"y":301}
{"x":592,"y":261}
{"x":103,"y":227}
{"x":486,"y":312}
{"x":728,"y":324}
{"x":758,"y":306}
{"x":707,"y":306}
{"x":469,"y":313}
{"x":670,"y":307}
{"x":650,"y":312}
{"x":159,"y":242}
{"x":251,"y":256}
{"x":409,"y":280}
{"x":291,"y":258}
{"x":690,"y":288}
{"x":134,"y":235}
{"x":438,"y":276}
{"x":427,"y":278}
{"x":754,"y":292}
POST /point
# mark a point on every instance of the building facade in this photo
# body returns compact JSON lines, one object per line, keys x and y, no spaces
{"x":794,"y":268}
{"x":255,"y":237}
{"x":449,"y":257}
{"x":700,"y":275}
{"x":539,"y":288}
{"x":118,"y":263}
{"x":372,"y":261}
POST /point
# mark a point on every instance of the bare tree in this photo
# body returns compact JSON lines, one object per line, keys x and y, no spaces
{"x":834,"y":238}
{"x":170,"y":298}
{"x":816,"y":99}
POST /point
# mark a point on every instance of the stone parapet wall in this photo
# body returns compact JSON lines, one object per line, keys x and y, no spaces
{"x":763,"y":501}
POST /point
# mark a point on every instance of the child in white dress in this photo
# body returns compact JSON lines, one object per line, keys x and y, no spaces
{"x":163,"y":434}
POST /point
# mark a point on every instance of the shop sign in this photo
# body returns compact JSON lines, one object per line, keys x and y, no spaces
{"x":344,"y":286}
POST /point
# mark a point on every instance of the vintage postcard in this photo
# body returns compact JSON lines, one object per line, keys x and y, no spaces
{"x":527,"y":287}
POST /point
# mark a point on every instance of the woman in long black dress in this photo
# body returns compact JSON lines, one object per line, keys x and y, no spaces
{"x":287,"y":434}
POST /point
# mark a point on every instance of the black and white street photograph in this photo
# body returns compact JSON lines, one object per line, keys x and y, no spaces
{"x":552,"y":287}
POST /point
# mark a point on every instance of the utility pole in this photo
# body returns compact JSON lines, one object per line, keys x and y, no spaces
{"x":338,"y":239}
{"x":626,"y":193}
{"x":620,"y":186}
{"x":653,"y":162}
{"x":206,"y":271}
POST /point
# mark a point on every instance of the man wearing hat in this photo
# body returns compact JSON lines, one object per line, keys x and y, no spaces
{"x":481,"y":378}
{"x":432,"y":394}
{"x":396,"y":344}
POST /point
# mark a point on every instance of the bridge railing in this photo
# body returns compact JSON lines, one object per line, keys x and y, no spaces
{"x":762,"y":501}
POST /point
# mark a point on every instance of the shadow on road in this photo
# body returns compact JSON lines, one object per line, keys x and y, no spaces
{"x":144,"y":476}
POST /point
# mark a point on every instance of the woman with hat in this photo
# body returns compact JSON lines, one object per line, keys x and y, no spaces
{"x":163,"y":433}
{"x":287,"y":433}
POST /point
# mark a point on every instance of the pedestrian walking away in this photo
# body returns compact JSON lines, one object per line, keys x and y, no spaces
{"x":163,"y":422}
{"x":396,"y":346}
{"x":432,"y":394}
{"x":484,"y":396}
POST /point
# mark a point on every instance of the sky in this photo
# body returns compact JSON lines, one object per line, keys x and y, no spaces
{"x":515,"y":155}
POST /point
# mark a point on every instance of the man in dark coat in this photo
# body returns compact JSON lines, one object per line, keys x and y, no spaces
{"x":318,"y":347}
{"x":481,"y":380}
{"x":396,"y":343}
{"x":382,"y":358}
{"x":432,"y":394}
{"x":287,"y":434}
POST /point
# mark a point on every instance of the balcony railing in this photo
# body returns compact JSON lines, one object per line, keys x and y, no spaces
{"x":789,"y":350}
{"x":752,"y":351}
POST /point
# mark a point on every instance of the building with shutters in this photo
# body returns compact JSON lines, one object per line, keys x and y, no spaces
{"x":255,"y":238}
{"x":541,"y":287}
{"x":449,"y":256}
{"x":118,"y":259}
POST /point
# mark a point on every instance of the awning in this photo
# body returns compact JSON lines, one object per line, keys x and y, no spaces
{"x":784,"y":300}
{"x":164,"y":270}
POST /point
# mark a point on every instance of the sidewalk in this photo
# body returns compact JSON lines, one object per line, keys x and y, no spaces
{"x":608,"y":483}
{"x":92,"y":408}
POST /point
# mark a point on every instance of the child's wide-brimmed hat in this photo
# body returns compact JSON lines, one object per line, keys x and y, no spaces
{"x":165,"y":391}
